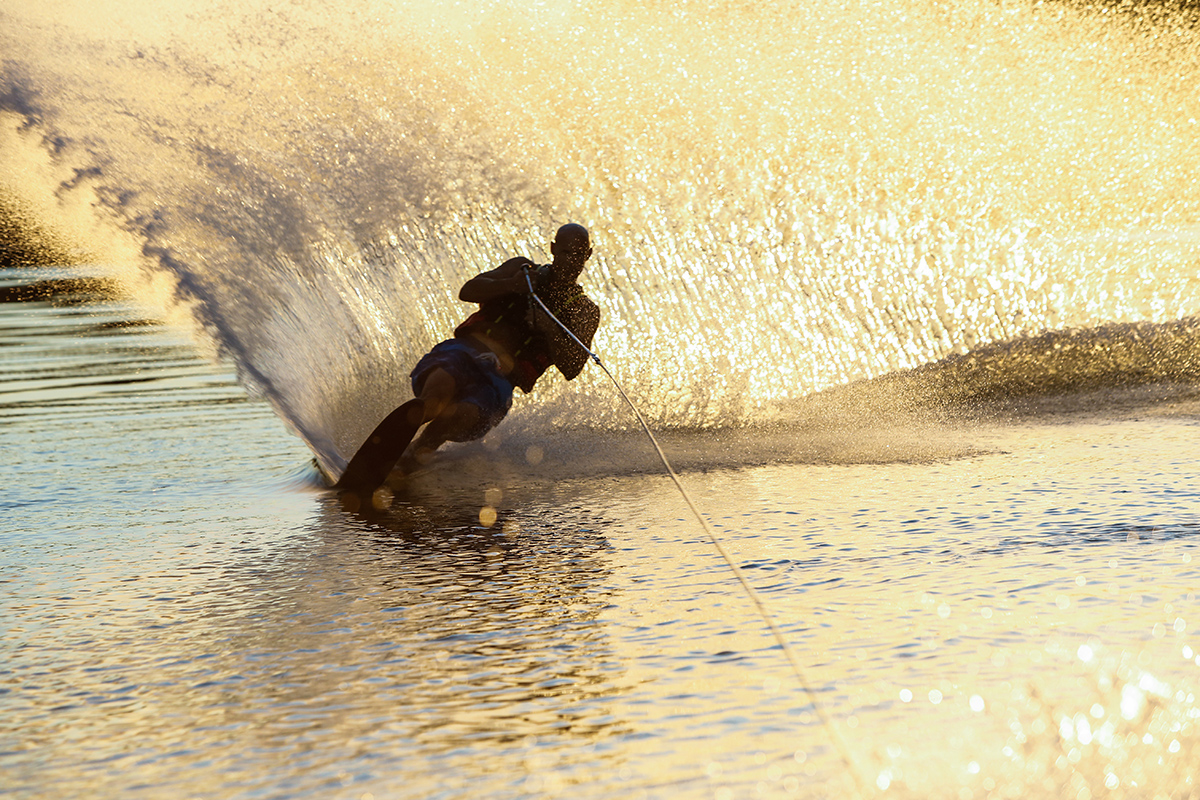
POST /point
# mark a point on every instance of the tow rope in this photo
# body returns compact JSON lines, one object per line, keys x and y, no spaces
{"x":838,"y":743}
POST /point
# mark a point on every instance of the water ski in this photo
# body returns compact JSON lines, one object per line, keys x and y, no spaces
{"x":378,"y":455}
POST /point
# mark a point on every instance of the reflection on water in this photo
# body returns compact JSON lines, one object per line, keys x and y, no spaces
{"x":185,"y":613}
{"x":343,"y":655}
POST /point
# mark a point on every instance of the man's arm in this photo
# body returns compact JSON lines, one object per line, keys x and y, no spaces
{"x":583,"y":318}
{"x":507,"y":278}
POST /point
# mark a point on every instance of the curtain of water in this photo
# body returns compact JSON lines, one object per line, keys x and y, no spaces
{"x":783,"y":199}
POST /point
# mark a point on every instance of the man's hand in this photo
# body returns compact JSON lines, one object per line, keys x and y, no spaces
{"x":538,"y":275}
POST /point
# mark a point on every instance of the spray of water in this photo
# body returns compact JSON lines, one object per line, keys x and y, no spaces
{"x":784,"y":199}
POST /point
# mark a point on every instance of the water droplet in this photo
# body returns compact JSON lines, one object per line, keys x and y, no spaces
{"x":935,"y":696}
{"x":381,"y":498}
{"x":1066,"y":730}
{"x":906,"y":695}
{"x":977,"y":703}
{"x":1132,"y":700}
{"x":1083,"y":730}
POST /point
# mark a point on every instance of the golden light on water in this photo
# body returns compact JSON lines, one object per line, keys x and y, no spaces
{"x":785,"y":199}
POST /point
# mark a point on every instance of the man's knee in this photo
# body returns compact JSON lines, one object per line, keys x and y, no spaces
{"x":455,"y":424}
{"x":465,"y":417}
{"x":438,"y":388}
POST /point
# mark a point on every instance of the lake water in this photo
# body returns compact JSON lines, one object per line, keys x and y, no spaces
{"x":188,"y":613}
{"x":909,"y":289}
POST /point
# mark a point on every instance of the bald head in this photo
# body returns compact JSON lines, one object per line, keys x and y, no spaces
{"x":572,"y":247}
{"x":573,"y":235}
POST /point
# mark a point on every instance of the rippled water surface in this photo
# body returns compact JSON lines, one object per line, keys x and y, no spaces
{"x":911,"y":288}
{"x":187,"y":614}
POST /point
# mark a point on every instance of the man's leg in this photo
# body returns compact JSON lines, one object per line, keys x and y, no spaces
{"x":446,"y":418}
{"x":437,"y":393}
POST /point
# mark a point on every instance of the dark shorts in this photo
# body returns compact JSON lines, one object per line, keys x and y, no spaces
{"x":477,"y":381}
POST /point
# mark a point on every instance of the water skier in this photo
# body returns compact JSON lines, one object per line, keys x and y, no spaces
{"x":464,"y":385}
